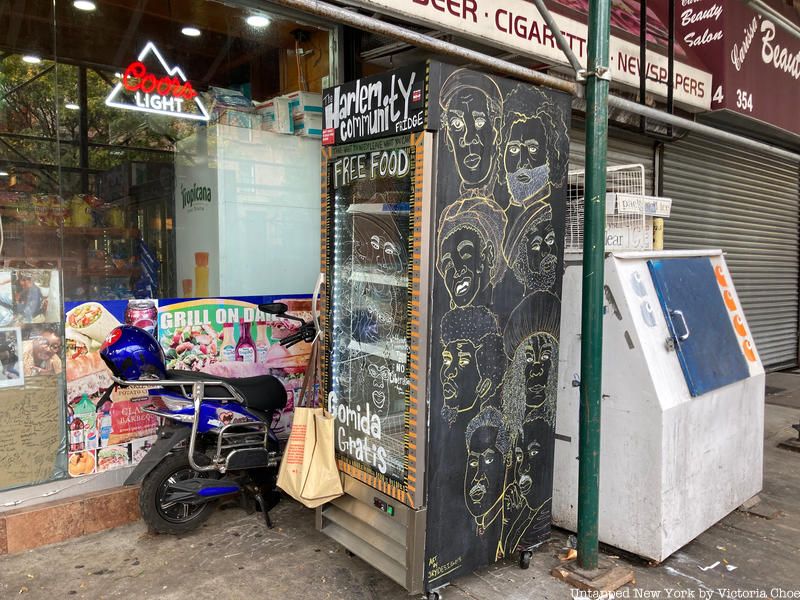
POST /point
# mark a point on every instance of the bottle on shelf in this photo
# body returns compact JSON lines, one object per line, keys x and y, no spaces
{"x":262,"y":342}
{"x":245,"y":348}
{"x":90,"y":438}
{"x":76,"y":432}
{"x":85,"y":409}
{"x":228,"y":346}
{"x":104,"y":425}
{"x":201,"y":274}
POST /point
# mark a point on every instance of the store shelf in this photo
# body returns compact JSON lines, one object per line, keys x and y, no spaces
{"x":379,"y":278}
{"x":109,"y":273}
{"x":49,"y":230}
{"x":377,"y":208}
{"x":115,"y":232}
{"x":394,"y":350}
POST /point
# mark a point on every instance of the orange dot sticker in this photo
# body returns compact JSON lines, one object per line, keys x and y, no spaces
{"x":738,"y":325}
{"x":749,"y":353}
{"x":721,"y":279}
{"x":729,"y":301}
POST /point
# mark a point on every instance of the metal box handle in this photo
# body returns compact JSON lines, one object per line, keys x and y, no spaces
{"x":687,"y":333}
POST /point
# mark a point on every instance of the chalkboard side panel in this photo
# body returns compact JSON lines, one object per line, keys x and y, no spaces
{"x":496,"y":252}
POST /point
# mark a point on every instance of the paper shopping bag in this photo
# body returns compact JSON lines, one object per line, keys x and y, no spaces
{"x":296,"y":460}
{"x":323,"y":483}
{"x":308,"y":471}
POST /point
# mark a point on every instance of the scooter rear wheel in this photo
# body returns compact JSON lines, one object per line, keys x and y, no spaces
{"x":158,"y":512}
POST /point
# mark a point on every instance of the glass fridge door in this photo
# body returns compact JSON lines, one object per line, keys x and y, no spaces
{"x":371,"y":193}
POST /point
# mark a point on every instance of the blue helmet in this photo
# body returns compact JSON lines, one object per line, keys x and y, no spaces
{"x":131,"y":353}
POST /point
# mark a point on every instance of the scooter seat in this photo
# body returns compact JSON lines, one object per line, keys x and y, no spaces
{"x":263,"y":392}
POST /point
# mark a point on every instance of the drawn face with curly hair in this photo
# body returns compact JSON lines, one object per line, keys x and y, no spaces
{"x":534,"y":260}
{"x":525,"y":160}
{"x":531,"y":343}
{"x":460,"y":372}
{"x":472,"y":360}
{"x":540,"y":352}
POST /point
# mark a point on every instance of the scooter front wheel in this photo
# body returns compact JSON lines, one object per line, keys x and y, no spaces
{"x":157,"y":498}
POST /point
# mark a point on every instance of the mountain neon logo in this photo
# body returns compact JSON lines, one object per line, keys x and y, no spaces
{"x":141,"y":89}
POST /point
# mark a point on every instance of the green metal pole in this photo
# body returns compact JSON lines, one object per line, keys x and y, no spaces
{"x":593,"y":257}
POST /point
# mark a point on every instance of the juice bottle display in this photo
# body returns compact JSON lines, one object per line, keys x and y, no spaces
{"x":76,"y":434}
{"x":104,"y":425}
{"x":91,"y":438}
{"x":228,"y":347}
{"x":201,"y":274}
{"x":262,"y":342}
{"x":87,"y":412}
{"x":245,"y":348}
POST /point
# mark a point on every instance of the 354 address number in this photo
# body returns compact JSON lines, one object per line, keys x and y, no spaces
{"x":744,"y":100}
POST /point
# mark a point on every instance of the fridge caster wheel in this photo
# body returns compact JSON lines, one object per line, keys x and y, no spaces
{"x":525,"y":559}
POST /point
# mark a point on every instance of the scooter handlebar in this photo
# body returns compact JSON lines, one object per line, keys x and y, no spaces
{"x":305,"y":334}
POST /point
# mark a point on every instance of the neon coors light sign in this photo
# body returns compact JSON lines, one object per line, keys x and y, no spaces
{"x":141,"y":90}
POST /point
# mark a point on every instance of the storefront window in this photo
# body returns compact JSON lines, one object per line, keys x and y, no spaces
{"x":150,"y":151}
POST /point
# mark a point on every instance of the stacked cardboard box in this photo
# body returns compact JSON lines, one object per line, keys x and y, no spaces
{"x":275,"y":115}
{"x":306,"y":108}
{"x":298,"y":113}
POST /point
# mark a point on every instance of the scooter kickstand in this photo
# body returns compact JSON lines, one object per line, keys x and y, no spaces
{"x":263,"y":506}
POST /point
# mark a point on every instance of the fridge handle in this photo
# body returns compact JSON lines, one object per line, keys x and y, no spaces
{"x":314,"y":304}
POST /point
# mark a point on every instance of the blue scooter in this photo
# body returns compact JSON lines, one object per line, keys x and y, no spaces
{"x":215,"y":439}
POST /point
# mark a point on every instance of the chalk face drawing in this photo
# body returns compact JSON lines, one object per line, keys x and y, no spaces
{"x":472,"y":111}
{"x":379,"y":380}
{"x":533,"y":159}
{"x":527,"y":501}
{"x":529,"y":449}
{"x":531,"y":344}
{"x":488,"y":443}
{"x":472,"y":360}
{"x":531,"y":248}
{"x":499,"y":230}
{"x":527,"y":171}
{"x":470,"y":241}
{"x":377,"y":242}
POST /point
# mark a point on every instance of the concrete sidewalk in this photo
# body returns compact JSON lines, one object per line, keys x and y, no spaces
{"x":235,"y":556}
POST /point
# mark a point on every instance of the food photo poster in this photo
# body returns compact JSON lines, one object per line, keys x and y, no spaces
{"x":227,"y":337}
{"x":11,"y":371}
{"x":31,"y":367}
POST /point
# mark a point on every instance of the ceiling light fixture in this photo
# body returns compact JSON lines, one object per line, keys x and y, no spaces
{"x":72,"y":106}
{"x":31,"y":59}
{"x":85,"y":5}
{"x":190,"y":31}
{"x":258,"y":21}
{"x":3,"y":173}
